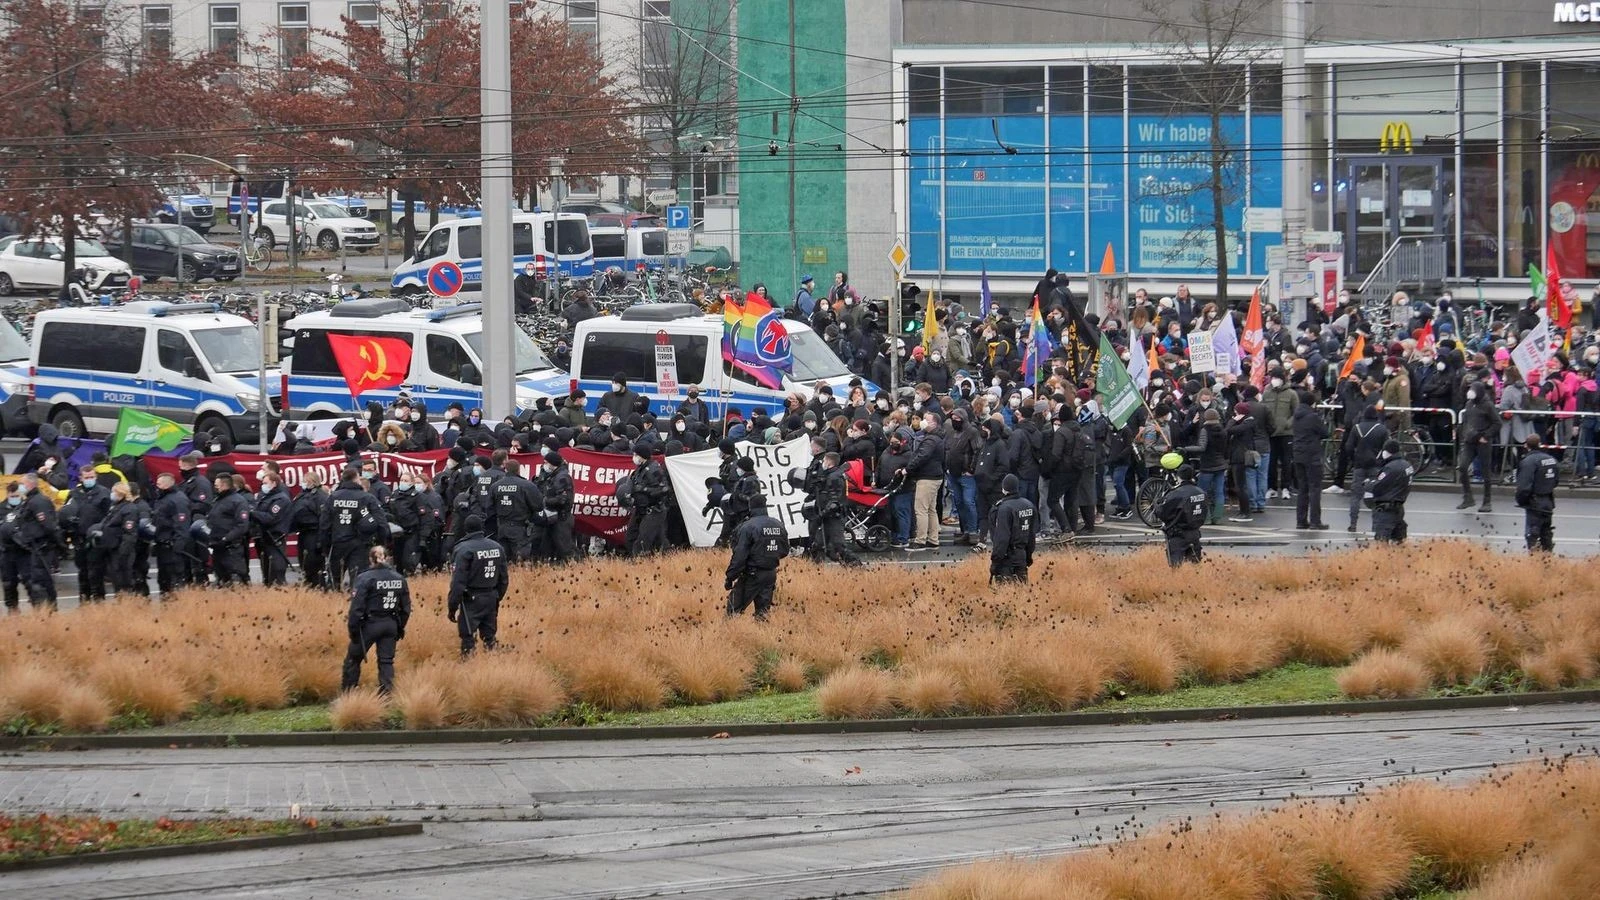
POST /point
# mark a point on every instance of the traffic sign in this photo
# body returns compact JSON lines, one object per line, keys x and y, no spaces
{"x":678,"y":217}
{"x":444,"y":278}
{"x":679,"y":241}
{"x":898,"y":257}
{"x":662,"y":197}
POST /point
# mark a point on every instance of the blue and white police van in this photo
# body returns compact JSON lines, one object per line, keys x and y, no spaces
{"x":535,"y":238}
{"x":14,"y":354}
{"x":193,"y":209}
{"x":606,"y":345}
{"x":188,"y":362}
{"x":629,"y":249}
{"x":446,"y":358}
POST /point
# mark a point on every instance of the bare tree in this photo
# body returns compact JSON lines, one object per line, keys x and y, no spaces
{"x":682,"y":80}
{"x":1209,"y":43}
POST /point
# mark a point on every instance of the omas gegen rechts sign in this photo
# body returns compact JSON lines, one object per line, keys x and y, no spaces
{"x":1577,"y":12}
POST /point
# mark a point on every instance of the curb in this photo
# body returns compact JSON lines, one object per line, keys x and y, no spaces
{"x":851,"y":726}
{"x":260,"y":842}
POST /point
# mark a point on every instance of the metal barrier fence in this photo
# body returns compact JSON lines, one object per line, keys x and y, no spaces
{"x":1433,"y":452}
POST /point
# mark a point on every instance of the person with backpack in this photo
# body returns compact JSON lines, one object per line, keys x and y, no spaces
{"x":804,"y":303}
{"x":1366,"y":449}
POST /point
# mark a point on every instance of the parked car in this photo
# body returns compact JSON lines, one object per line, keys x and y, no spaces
{"x":190,"y":208}
{"x":328,"y":225}
{"x":39,"y":264}
{"x":596,"y":207}
{"x":156,"y":249}
{"x":626,"y":220}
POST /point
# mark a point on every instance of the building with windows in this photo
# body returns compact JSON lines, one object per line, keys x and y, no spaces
{"x":1026,"y":136}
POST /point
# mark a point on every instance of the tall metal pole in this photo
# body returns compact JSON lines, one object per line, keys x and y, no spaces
{"x":794,"y":113}
{"x":1296,"y":152}
{"x":494,"y":101}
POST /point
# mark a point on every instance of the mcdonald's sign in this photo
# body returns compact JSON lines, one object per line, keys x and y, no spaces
{"x":1589,"y":160}
{"x":1395,"y":136}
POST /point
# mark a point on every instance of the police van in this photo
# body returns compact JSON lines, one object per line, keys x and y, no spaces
{"x":534,"y":239}
{"x":629,"y":249}
{"x":606,"y":345}
{"x":446,"y":358}
{"x":188,"y":362}
{"x":14,"y":353}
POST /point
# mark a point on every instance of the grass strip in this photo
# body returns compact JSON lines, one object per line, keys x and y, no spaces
{"x":25,"y":839}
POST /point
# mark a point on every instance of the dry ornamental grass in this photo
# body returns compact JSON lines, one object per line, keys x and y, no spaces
{"x":1528,"y":833}
{"x":619,"y":635}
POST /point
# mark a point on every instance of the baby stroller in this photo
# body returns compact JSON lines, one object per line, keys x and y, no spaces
{"x":866,"y":518}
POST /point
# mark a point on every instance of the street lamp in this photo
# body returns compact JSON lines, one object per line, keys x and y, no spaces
{"x":262,"y":402}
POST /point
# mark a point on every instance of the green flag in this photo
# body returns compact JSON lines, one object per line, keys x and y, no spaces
{"x":140,"y":432}
{"x":1535,"y":281}
{"x":1116,"y":385}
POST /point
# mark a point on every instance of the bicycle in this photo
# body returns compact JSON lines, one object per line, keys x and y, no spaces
{"x":257,"y":253}
{"x":1150,"y":494}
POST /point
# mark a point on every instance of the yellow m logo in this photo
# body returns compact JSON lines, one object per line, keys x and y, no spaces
{"x":1396,"y":135}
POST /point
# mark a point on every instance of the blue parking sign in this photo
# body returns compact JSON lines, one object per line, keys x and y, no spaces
{"x":678,"y":217}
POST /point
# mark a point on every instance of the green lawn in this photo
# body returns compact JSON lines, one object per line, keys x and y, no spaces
{"x":25,"y":838}
{"x":1294,"y":683}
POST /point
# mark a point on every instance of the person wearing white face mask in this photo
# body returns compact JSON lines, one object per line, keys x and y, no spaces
{"x":620,"y":400}
{"x":1275,"y":413}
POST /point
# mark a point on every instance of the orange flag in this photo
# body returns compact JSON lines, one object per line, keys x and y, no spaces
{"x":1254,"y":341}
{"x":1357,"y":353}
{"x":1155,"y":361}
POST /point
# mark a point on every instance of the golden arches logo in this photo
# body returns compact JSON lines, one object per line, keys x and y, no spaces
{"x":1589,"y":160}
{"x":1395,"y":136}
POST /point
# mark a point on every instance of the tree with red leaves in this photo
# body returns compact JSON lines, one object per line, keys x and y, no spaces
{"x":86,"y":116}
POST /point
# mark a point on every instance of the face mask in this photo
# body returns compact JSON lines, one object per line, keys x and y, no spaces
{"x":88,"y":482}
{"x":883,"y":405}
{"x":681,"y":426}
{"x":616,"y":386}
{"x":957,"y":424}
{"x":547,"y":469}
{"x":1205,"y":404}
{"x":369,"y":474}
{"x":1472,"y":395}
{"x":1277,"y":382}
{"x":1015,"y":402}
{"x":694,"y":395}
{"x":416,"y":417}
{"x":938,"y":358}
{"x":268,"y":487}
{"x":216,"y":448}
{"x":1439,"y":366}
{"x":391,"y":441}
{"x":811,"y":426}
{"x":14,"y":500}
{"x":474,"y":420}
{"x":477,"y":470}
{"x":404,"y":486}
{"x":1388,"y":371}
{"x":638,"y":460}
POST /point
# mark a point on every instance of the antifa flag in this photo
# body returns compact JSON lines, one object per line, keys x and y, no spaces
{"x":1083,"y":341}
{"x":370,"y":363}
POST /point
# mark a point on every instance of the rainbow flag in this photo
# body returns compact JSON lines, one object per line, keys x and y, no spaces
{"x":754,"y":340}
{"x":1036,"y":346}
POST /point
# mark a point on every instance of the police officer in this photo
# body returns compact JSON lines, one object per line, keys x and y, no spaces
{"x":1182,"y":513}
{"x":736,"y":503}
{"x":118,"y":536}
{"x":1387,"y":493}
{"x":228,"y":530}
{"x":405,"y":523}
{"x":380,"y":606}
{"x":169,"y":515}
{"x":198,"y":490}
{"x":1537,"y":478}
{"x":305,"y":520}
{"x":553,"y":536}
{"x":1012,"y":534}
{"x":647,"y":527}
{"x":477,"y":585}
{"x":270,"y":520}
{"x":759,"y":544}
{"x":517,"y":505}
{"x":349,"y":524}
{"x":13,"y":559}
{"x":85,"y":508}
{"x":39,"y":534}
{"x":832,"y":504}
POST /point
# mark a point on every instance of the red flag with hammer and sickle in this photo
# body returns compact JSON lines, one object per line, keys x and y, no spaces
{"x":370,"y":363}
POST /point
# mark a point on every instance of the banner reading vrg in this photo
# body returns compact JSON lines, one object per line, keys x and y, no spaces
{"x":689,"y":472}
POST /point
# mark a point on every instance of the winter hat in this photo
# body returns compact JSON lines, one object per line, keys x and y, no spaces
{"x":1010,"y":484}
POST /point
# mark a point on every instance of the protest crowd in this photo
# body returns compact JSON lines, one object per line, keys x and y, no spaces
{"x":1068,"y":402}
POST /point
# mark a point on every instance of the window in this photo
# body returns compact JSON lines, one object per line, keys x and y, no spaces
{"x":634,"y":354}
{"x":157,"y":30}
{"x":1105,"y":88}
{"x":435,"y":10}
{"x":583,"y":17}
{"x":174,"y":353}
{"x":574,"y":237}
{"x":294,"y":32}
{"x":92,"y":18}
{"x":652,"y":243}
{"x":655,"y":36}
{"x":118,"y":348}
{"x":923,"y":88}
{"x":225,"y":31}
{"x":522,"y":238}
{"x":364,"y":14}
{"x":1066,"y":89}
{"x":469,"y":242}
{"x":1174,"y":90}
{"x":446,"y":356}
{"x":437,"y":244}
{"x":312,"y":356}
{"x":609,"y":245}
{"x":1007,"y":91}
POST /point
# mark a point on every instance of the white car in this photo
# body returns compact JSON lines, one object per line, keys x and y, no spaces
{"x":327,"y":225}
{"x":39,"y":263}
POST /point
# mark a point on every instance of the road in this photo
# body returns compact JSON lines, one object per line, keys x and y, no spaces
{"x":778,"y":817}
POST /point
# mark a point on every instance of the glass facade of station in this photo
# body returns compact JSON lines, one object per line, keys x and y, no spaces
{"x":1013,"y":168}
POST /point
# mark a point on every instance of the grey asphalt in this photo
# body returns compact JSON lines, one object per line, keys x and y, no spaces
{"x":780,"y":817}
